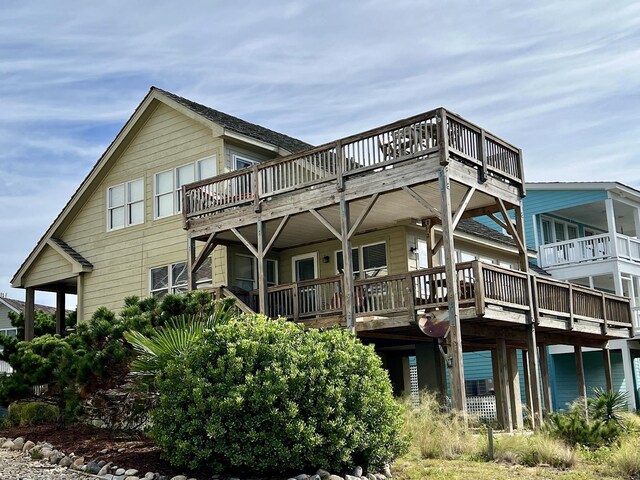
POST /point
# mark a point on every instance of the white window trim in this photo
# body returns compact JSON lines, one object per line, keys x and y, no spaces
{"x":248,"y":160}
{"x":127,"y":203}
{"x":255,"y":270}
{"x":565,"y":227}
{"x":5,"y":331}
{"x":360,"y":248}
{"x":177,"y":192}
{"x":304,"y":256}
{"x":171,"y":286}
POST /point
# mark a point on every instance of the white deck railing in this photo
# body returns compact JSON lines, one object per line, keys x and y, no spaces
{"x":636,"y":319}
{"x":589,"y":249}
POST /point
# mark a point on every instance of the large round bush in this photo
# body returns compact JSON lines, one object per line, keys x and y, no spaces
{"x":259,"y":395}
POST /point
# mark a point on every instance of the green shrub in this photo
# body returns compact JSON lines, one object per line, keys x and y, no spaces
{"x":32,"y":413}
{"x":262,"y":396}
{"x":436,"y":433}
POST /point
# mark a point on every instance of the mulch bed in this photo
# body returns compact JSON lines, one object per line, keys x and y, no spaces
{"x":139,"y":451}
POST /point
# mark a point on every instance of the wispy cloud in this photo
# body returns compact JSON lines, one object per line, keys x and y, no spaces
{"x":559,"y":79}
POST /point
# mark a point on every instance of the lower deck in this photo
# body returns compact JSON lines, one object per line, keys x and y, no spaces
{"x":491,"y":298}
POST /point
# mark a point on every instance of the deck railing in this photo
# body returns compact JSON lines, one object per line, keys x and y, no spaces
{"x":479,"y":285}
{"x":366,"y":153}
{"x":589,"y":249}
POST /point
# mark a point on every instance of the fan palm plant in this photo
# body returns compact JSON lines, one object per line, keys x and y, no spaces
{"x":170,"y":341}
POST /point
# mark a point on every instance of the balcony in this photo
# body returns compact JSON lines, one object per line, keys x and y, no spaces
{"x":376,"y":157}
{"x":488,"y":292}
{"x":590,"y":249}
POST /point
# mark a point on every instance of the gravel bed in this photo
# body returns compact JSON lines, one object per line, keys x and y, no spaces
{"x":19,"y":466}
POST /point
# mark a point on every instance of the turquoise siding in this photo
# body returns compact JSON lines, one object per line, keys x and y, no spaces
{"x":563,"y":376}
{"x":477,"y":366}
{"x":636,"y":378}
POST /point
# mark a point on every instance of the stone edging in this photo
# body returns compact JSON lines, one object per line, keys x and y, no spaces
{"x":45,"y":452}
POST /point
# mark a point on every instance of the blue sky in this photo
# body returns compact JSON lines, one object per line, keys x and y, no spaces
{"x":559,"y":79}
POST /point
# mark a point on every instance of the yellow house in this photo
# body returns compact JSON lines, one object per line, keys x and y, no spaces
{"x":188,"y":197}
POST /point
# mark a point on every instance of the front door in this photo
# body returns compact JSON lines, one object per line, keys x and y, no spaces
{"x":305,"y":267}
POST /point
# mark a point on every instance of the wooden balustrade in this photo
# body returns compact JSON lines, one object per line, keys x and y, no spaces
{"x":370,"y":152}
{"x":479,"y":285}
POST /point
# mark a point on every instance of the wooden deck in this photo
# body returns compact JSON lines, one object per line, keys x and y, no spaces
{"x":487,"y":293}
{"x":375,"y":157}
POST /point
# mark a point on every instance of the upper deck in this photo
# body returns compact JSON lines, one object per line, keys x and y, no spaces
{"x":407,"y":152}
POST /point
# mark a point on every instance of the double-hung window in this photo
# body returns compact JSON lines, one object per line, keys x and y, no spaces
{"x":174,"y":278}
{"x":168,"y":184}
{"x":368,"y":261}
{"x":125,"y":204}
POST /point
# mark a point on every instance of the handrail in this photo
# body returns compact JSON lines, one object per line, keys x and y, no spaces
{"x":368,"y":152}
{"x":243,"y":307}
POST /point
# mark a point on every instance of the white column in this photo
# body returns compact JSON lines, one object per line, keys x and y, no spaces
{"x":611,"y":225}
{"x":627,"y":366}
{"x":636,"y":222}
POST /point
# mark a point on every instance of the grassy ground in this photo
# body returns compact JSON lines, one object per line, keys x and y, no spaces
{"x":411,"y":467}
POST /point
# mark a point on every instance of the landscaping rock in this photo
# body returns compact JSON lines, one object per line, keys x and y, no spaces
{"x":149,"y":476}
{"x":46,"y":453}
{"x":131,"y":477}
{"x":65,"y":462}
{"x":102,"y":463}
{"x":351,"y":477}
{"x":381,"y":476}
{"x":104,"y":469}
{"x":92,"y":467}
{"x":315,"y":477}
{"x":323,"y":474}
{"x":302,"y":476}
{"x":120,"y":471}
{"x":7,"y":444}
{"x":387,"y":471}
{"x":78,"y":463}
{"x":357,"y":472}
{"x":335,"y":477}
{"x":371,"y":476}
{"x":18,"y":443}
{"x":28,"y":445}
{"x":132,"y":472}
{"x":56,"y":457}
{"x":106,"y":476}
{"x":179,"y":477}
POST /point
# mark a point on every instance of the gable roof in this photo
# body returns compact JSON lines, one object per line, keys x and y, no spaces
{"x":204,"y":114}
{"x":241,"y":126}
{"x":18,"y":306}
{"x":597,"y":185}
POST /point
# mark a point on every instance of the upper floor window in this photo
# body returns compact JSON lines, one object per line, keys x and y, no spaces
{"x":240,"y":162}
{"x":168,"y":185}
{"x":174,"y":278}
{"x":125,"y":204}
{"x":557,"y":231}
{"x":368,"y":261}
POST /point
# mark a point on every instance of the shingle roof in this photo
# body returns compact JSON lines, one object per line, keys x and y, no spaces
{"x":71,"y":252}
{"x":241,"y":126}
{"x":537,"y":270}
{"x":19,"y":306}
{"x":470,"y":226}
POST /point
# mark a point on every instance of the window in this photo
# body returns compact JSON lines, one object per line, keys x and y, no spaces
{"x":125,"y":204}
{"x":246,"y":268}
{"x":242,"y":162}
{"x":174,"y":278}
{"x":168,"y":185}
{"x":9,"y":332}
{"x":374,"y":260}
{"x":557,"y":231}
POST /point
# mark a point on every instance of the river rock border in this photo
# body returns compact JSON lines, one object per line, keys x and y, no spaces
{"x":46,"y":453}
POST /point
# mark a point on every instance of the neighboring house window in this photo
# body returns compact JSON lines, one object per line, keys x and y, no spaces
{"x":557,"y":231}
{"x":368,"y":261}
{"x":125,"y":204}
{"x":9,"y":332}
{"x":242,"y":162}
{"x":174,"y":278}
{"x":246,"y":268}
{"x":168,"y":185}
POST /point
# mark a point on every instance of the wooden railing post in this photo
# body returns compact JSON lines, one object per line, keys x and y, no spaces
{"x":479,"y":288}
{"x":482,"y":152}
{"x":605,"y":324}
{"x":409,"y":296}
{"x":340,"y":166}
{"x":295,"y":302}
{"x":256,"y":186}
{"x":571,"y":319}
{"x":444,"y":137}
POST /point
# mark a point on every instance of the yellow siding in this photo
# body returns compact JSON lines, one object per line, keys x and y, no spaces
{"x":122,"y":258}
{"x":394,"y":237}
{"x":48,"y":267}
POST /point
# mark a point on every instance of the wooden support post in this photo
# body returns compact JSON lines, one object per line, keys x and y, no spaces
{"x":503,"y":382}
{"x":430,"y":238}
{"x":582,"y":384}
{"x":29,"y":313}
{"x":606,"y":358}
{"x":60,"y":311}
{"x":459,"y":398}
{"x":546,"y":384}
{"x":80,"y":297}
{"x":191,"y":260}
{"x":262,"y":277}
{"x":527,"y":385}
{"x":514,"y":389}
{"x":349,"y":304}
{"x":534,"y":380}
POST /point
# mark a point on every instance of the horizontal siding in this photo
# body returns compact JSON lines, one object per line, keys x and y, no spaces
{"x":122,"y":258}
{"x":5,"y":322}
{"x":565,"y":388}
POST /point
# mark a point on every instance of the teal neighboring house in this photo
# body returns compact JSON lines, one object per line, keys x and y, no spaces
{"x":588,"y":233}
